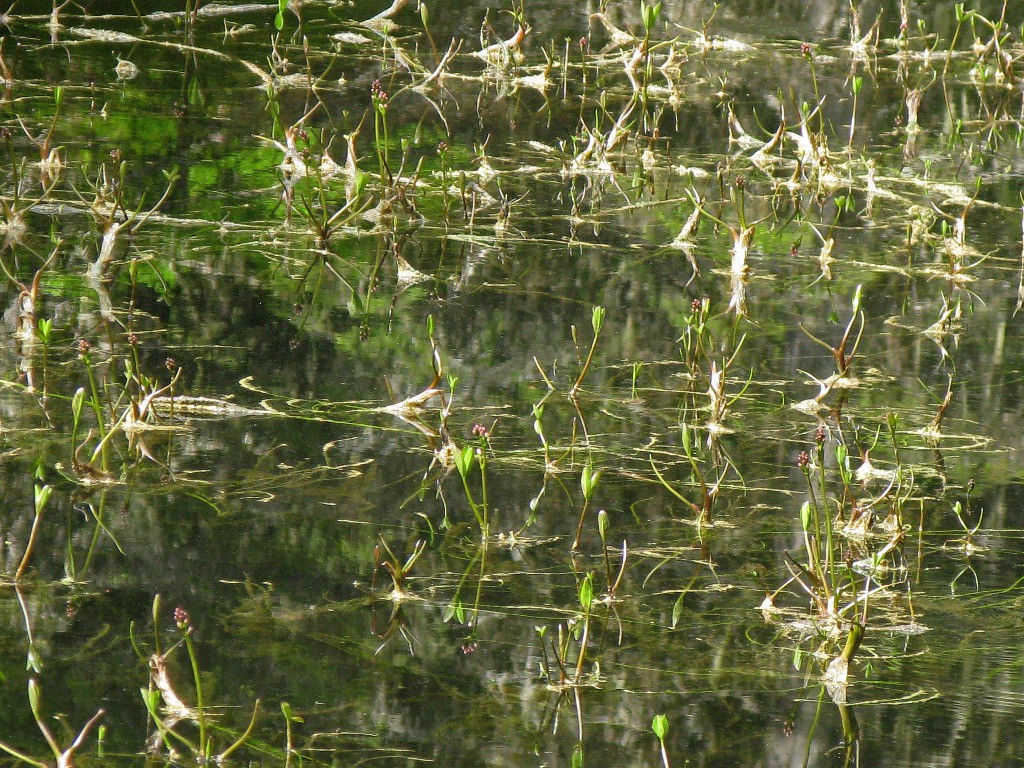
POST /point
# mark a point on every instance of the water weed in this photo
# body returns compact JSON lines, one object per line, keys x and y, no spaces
{"x":790,"y":235}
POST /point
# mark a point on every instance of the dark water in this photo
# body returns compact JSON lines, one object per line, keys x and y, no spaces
{"x":259,"y":508}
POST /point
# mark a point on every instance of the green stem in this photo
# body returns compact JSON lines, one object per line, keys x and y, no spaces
{"x":607,"y":567}
{"x":814,"y":727}
{"x":482,"y":460}
{"x":586,"y":367}
{"x":200,"y":709}
{"x":829,"y":555}
{"x":245,"y":736}
{"x":815,"y":555}
{"x":481,"y":521}
{"x":479,"y":586}
{"x":579,"y":528}
{"x":583,"y":644}
{"x":30,"y":546}
{"x":96,"y":407}
{"x":21,"y":756}
{"x":853,"y":641}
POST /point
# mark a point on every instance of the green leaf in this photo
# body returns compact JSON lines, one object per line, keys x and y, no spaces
{"x":842,"y":454}
{"x":34,"y":660}
{"x":588,"y":481}
{"x":587,"y":592}
{"x":677,"y":609}
{"x":34,"y":697}
{"x":42,"y":495}
{"x":650,"y":15}
{"x":857,"y":298}
{"x":362,"y":179}
{"x":464,"y":460}
{"x":455,"y":610}
{"x":77,"y":403}
{"x":602,"y":524}
{"x":660,"y":726}
{"x":843,"y":462}
{"x":597,"y":319}
{"x":805,"y":516}
{"x":279,"y":21}
{"x":577,"y":757}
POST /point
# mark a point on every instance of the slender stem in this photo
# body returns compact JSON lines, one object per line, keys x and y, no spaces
{"x":583,"y":644}
{"x":485,"y":525}
{"x":579,"y":528}
{"x":814,"y":727}
{"x":200,"y":709}
{"x":96,"y":407}
{"x":29,"y":547}
{"x":473,"y":505}
{"x":21,"y":756}
{"x":815,"y":556}
{"x":479,"y":586}
{"x":586,"y":367}
{"x":829,"y":555}
{"x":607,"y":566}
{"x":245,"y":736}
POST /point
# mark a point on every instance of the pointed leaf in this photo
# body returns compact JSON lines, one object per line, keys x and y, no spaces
{"x":660,"y":726}
{"x":587,"y":592}
{"x":464,"y":460}
{"x":677,"y":610}
{"x":805,"y":516}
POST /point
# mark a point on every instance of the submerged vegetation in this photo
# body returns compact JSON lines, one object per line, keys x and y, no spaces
{"x":550,"y":376}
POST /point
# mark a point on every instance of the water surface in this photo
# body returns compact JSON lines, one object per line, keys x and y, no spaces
{"x":255,"y":349}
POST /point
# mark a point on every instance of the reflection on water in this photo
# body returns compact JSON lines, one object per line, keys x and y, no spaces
{"x":357,"y":337}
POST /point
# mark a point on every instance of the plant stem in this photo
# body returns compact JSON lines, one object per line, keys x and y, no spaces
{"x":586,"y":366}
{"x":200,"y":709}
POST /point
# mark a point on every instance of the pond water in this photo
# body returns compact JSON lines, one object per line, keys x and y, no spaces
{"x":478,"y":384}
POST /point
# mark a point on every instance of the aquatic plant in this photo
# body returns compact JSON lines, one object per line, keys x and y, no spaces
{"x":465,"y":459}
{"x":395,"y":568}
{"x":109,"y":210}
{"x":297,"y":284}
{"x":612,"y":585}
{"x":589,"y":478}
{"x":660,"y":727}
{"x":41,"y":495}
{"x":63,"y":756}
{"x":167,"y":709}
